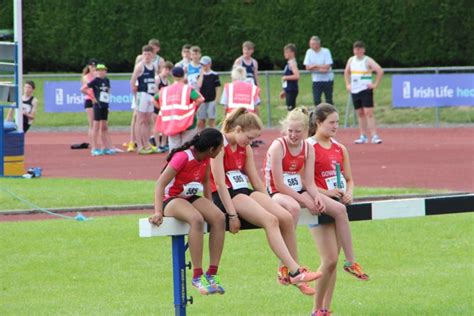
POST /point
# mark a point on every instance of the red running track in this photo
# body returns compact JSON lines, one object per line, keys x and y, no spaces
{"x":435,"y":158}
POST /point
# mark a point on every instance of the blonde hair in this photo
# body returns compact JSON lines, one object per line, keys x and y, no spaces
{"x":248,"y":44}
{"x":243,"y":118}
{"x":238,"y":73}
{"x":296,"y":115}
{"x":319,"y":114}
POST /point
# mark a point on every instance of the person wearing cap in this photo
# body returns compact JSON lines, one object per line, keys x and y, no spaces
{"x":208,"y":84}
{"x":100,"y":100}
{"x":178,"y":105}
{"x":318,"y":60}
{"x":144,"y":74}
{"x":88,"y":74}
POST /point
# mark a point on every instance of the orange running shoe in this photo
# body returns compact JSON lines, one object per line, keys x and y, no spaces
{"x":356,"y":270}
{"x":321,"y":312}
{"x":283,"y":277}
{"x":304,"y":275}
{"x":305,"y":288}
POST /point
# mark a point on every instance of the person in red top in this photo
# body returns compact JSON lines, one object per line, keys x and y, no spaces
{"x":176,"y":195}
{"x":324,"y":122}
{"x":233,"y":170}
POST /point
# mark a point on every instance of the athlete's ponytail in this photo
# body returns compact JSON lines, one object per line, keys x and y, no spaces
{"x":206,"y":139}
{"x":243,"y":118}
{"x":319,"y":115}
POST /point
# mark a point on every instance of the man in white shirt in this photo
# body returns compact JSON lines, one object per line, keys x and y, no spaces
{"x":318,"y":60}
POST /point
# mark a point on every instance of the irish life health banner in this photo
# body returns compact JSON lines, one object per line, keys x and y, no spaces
{"x":432,"y":90}
{"x":66,"y":96}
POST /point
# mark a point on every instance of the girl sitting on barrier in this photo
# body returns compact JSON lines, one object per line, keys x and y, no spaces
{"x":176,"y":195}
{"x":323,"y":125}
{"x":233,"y":170}
{"x":289,"y":175}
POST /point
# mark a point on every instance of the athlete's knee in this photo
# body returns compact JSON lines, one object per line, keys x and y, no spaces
{"x":196,"y":221}
{"x":271,"y":221}
{"x":330,"y":262}
{"x":218,"y":219}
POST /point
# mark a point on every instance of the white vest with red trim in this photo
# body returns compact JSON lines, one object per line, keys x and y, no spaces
{"x":176,"y":109}
{"x":241,"y":94}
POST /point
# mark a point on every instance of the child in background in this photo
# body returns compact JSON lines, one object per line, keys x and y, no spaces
{"x":208,"y":83}
{"x":88,"y":74}
{"x":29,"y":106}
{"x":101,"y":87}
{"x":194,"y":67}
{"x":186,"y":54}
{"x":290,"y":77}
{"x":249,"y":63}
{"x":185,"y":176}
{"x":161,"y":80}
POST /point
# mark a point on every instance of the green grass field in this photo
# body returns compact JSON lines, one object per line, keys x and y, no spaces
{"x":386,"y":115}
{"x":50,"y":193}
{"x":418,"y":266}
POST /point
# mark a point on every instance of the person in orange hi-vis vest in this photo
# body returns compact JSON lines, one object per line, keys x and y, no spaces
{"x":178,"y":104}
{"x":240,"y":93}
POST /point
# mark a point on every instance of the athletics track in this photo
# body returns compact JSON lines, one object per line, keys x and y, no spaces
{"x":433,"y":158}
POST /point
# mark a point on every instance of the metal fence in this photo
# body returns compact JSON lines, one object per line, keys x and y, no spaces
{"x":268,"y":74}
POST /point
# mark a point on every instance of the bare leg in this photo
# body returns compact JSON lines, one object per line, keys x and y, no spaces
{"x":90,"y":121}
{"x":201,"y":124}
{"x":212,"y":123}
{"x":183,"y":210}
{"x":362,"y":121}
{"x":252,"y":212}
{"x":343,"y":230}
{"x":104,"y":133}
{"x":216,"y":219}
{"x":369,"y":114}
{"x":289,"y":204}
{"x":95,"y":134}
{"x":132,"y":126}
{"x":326,"y":242}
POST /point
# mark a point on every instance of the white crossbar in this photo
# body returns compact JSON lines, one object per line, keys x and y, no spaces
{"x":174,"y":227}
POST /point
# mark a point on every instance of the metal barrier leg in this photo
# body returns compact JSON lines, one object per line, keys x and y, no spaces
{"x":179,"y":275}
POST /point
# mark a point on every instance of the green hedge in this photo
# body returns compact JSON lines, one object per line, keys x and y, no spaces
{"x":62,"y":35}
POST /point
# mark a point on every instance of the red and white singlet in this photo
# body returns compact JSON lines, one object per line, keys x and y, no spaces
{"x":190,"y":175}
{"x":325,"y":164}
{"x":234,"y":164}
{"x":291,"y":166}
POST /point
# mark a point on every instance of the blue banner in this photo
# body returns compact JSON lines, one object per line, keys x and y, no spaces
{"x":66,"y":96}
{"x":432,"y":90}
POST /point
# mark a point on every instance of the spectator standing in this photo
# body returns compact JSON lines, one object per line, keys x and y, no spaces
{"x":318,"y":60}
{"x":358,"y":77}
{"x":208,"y":83}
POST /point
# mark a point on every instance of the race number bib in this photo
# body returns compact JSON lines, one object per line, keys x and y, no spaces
{"x":151,"y":88}
{"x":104,"y":97}
{"x":192,"y":188}
{"x":237,"y":179}
{"x":284,"y":84}
{"x":293,"y":180}
{"x":332,"y":183}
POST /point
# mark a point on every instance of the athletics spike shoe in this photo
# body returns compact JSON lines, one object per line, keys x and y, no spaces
{"x":304,"y":275}
{"x":361,"y":140}
{"x":376,"y":139}
{"x":108,"y":151}
{"x":215,"y":283}
{"x":201,"y":284}
{"x":321,"y":312}
{"x":305,"y":288}
{"x":356,"y":270}
{"x":131,"y":147}
{"x":145,"y":151}
{"x":96,"y":152}
{"x":283,"y":277}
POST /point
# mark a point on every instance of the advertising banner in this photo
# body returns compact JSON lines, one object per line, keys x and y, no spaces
{"x":66,"y":96}
{"x":432,"y":90}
